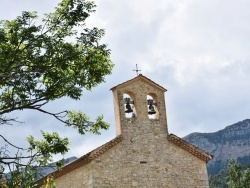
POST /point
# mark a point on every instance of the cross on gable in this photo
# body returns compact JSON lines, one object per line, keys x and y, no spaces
{"x":136,"y":70}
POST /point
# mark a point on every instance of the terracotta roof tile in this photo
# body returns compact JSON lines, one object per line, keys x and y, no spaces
{"x":82,"y":160}
{"x":140,"y":76}
{"x":85,"y":159}
{"x":190,"y":148}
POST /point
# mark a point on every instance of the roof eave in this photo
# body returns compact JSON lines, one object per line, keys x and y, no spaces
{"x":81,"y":161}
{"x":140,"y":76}
{"x":190,"y":148}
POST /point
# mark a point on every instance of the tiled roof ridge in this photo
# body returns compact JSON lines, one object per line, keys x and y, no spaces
{"x":140,"y":75}
{"x":189,"y":147}
{"x":85,"y":159}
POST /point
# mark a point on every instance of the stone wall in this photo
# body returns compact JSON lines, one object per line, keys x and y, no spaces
{"x":146,"y":164}
{"x":139,"y":164}
{"x":81,"y":177}
{"x":139,"y":89}
{"x":145,"y":158}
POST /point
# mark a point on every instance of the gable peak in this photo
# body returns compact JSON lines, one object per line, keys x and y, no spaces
{"x":137,"y":78}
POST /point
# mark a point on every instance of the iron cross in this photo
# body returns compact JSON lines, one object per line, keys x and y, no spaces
{"x":136,"y":70}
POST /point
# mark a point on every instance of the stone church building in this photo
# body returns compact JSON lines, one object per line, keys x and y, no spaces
{"x":143,"y":154}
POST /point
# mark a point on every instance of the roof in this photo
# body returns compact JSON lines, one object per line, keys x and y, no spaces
{"x":189,"y":148}
{"x":139,"y":77}
{"x":85,"y":159}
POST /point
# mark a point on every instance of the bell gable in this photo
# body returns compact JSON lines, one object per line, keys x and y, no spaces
{"x":139,"y":102}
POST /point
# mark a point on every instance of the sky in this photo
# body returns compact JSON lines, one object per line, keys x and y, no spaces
{"x":198,"y":50}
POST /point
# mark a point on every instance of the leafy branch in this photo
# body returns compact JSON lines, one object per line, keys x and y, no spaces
{"x":40,"y":63}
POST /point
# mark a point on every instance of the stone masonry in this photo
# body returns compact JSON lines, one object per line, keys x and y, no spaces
{"x":144,"y":154}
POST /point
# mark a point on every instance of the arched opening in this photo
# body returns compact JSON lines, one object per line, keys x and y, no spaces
{"x":129,"y":107}
{"x":153,"y":112}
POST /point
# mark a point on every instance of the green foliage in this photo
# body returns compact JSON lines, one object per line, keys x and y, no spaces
{"x":235,"y":176}
{"x":49,"y":182}
{"x":41,"y":151}
{"x":219,"y":180}
{"x":219,"y":165}
{"x":22,"y":177}
{"x":238,"y":178}
{"x":51,"y":144}
{"x":42,"y":63}
{"x":81,"y":122}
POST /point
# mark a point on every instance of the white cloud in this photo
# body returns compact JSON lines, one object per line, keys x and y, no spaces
{"x":198,"y":50}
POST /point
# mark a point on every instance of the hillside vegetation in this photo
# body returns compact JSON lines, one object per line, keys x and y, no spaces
{"x":232,"y":142}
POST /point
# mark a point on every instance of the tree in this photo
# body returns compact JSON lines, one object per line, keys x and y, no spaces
{"x":235,"y":176}
{"x":43,"y":63}
{"x":238,"y":178}
{"x":219,"y":180}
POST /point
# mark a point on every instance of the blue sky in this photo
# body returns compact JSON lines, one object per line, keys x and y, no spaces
{"x":197,"y":50}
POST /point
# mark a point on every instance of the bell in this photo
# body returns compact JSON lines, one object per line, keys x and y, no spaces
{"x":128,"y":107}
{"x":151,"y":108}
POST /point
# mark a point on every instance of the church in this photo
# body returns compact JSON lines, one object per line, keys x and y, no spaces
{"x":143,"y":154}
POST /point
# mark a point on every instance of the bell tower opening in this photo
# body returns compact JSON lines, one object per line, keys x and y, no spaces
{"x":153,"y":112}
{"x":129,"y":107}
{"x":140,"y":103}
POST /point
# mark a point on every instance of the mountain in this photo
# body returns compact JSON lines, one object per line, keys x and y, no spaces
{"x":232,"y":142}
{"x":43,"y":171}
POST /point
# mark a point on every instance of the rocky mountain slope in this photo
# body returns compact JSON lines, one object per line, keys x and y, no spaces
{"x":232,"y":142}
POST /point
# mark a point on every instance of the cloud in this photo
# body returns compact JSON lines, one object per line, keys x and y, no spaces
{"x":11,"y":9}
{"x":198,"y":50}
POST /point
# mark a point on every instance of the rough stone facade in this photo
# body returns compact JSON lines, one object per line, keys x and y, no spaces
{"x":143,"y":155}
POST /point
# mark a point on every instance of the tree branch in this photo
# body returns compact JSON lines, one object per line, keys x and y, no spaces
{"x":11,"y":144}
